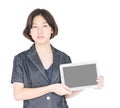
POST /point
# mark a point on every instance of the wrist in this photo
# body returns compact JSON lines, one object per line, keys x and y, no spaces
{"x":51,"y":88}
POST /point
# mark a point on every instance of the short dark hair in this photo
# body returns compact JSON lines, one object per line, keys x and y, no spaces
{"x":47,"y":16}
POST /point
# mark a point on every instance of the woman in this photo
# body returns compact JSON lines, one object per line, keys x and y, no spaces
{"x":36,"y":77}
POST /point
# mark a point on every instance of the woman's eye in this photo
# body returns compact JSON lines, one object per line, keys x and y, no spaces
{"x":34,"y":26}
{"x":45,"y":25}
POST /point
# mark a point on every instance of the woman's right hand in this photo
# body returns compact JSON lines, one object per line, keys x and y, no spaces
{"x":60,"y":89}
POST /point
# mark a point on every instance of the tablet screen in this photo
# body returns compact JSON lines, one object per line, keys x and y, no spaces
{"x":79,"y":76}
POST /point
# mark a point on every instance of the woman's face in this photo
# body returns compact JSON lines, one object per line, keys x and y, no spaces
{"x":40,"y":31}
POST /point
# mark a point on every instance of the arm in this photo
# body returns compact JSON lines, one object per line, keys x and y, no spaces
{"x":74,"y":93}
{"x":21,"y":93}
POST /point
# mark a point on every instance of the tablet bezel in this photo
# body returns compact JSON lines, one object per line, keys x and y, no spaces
{"x":77,"y":64}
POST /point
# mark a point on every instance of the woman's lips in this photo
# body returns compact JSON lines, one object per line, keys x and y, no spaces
{"x":40,"y":37}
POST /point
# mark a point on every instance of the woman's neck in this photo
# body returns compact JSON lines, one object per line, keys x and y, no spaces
{"x":43,"y":48}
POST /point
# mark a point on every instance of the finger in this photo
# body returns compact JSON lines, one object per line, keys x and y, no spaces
{"x":67,"y":88}
{"x":99,"y":81}
{"x":100,"y":84}
{"x":100,"y":77}
{"x":99,"y":87}
{"x":67,"y":92}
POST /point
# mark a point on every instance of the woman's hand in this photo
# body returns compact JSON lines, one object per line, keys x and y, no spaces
{"x":61,"y":89}
{"x":74,"y":93}
{"x":100,"y":81}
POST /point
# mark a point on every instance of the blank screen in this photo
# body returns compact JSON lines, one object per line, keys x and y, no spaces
{"x":82,"y":75}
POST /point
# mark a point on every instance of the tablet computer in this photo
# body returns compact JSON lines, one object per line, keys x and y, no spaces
{"x":79,"y":76}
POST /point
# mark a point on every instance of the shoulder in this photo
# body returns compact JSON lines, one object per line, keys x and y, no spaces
{"x":59,"y":52}
{"x":22,"y":54}
{"x":64,"y":57}
{"x":25,"y":53}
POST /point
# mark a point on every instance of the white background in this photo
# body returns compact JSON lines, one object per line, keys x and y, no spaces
{"x":89,"y":30}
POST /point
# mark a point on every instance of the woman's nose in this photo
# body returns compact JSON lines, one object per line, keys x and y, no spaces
{"x":40,"y":30}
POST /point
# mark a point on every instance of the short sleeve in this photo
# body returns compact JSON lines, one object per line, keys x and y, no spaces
{"x":66,"y":59}
{"x":17,"y":71}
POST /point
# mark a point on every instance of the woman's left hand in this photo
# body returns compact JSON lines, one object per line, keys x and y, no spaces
{"x":100,"y":81}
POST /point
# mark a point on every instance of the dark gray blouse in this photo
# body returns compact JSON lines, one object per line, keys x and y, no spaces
{"x":28,"y":69}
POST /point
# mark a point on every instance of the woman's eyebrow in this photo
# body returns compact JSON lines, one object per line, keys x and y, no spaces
{"x":40,"y":22}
